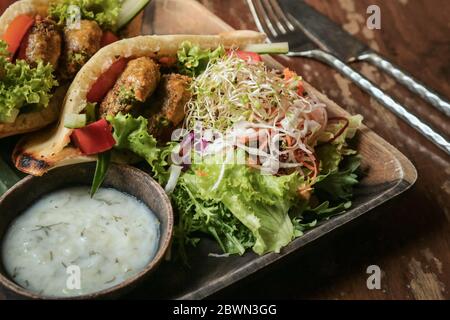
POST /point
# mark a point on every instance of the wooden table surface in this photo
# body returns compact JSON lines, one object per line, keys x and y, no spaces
{"x":409,"y":237}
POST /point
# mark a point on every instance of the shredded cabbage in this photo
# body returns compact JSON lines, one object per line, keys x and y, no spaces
{"x":248,"y":103}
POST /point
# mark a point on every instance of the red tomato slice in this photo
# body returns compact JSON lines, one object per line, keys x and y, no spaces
{"x":94,"y":138}
{"x":300,"y":89}
{"x":248,"y":56}
{"x":108,"y":38}
{"x":106,"y":81}
{"x":16,"y":31}
{"x":167,"y":61}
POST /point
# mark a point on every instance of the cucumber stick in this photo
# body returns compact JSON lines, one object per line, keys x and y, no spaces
{"x":268,"y":48}
{"x":7,"y":177}
{"x":75,"y":121}
{"x":129,"y":10}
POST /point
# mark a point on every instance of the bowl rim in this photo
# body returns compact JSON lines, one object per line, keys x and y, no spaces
{"x":149,"y":268}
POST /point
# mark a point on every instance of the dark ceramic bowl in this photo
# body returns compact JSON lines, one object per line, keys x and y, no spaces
{"x":120,"y":177}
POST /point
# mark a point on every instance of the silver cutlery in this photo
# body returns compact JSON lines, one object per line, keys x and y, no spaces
{"x":282,"y":27}
{"x":331,"y":38}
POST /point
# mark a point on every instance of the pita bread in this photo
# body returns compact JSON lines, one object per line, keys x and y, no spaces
{"x":32,"y":121}
{"x":41,"y":152}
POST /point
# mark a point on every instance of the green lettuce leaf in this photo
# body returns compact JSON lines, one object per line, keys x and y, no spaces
{"x":331,"y":154}
{"x":260,"y":202}
{"x":23,"y":85}
{"x":332,"y":191}
{"x":132,"y":134}
{"x":104,"y":12}
{"x":339,"y":163}
{"x":209,"y":217}
{"x":338,"y":185}
{"x":161,"y":166}
{"x":308,"y":218}
{"x":192,"y":60}
{"x":334,"y":186}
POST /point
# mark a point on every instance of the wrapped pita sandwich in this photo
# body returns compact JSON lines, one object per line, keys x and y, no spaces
{"x":43,"y":44}
{"x":132,"y":77}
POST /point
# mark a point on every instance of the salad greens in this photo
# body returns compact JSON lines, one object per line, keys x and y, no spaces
{"x":104,"y":12}
{"x":193,"y":60}
{"x":260,"y":202}
{"x":338,"y":184}
{"x":266,"y":206}
{"x":132,"y":134}
{"x":103,"y":161}
{"x":209,"y":217}
{"x":22,"y":85}
{"x":238,"y":204}
{"x":246,"y":209}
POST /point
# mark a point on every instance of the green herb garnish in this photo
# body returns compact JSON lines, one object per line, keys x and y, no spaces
{"x":103,"y":161}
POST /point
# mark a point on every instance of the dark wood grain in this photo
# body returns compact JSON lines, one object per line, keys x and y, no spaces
{"x":409,"y":238}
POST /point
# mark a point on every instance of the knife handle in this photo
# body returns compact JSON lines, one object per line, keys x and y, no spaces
{"x":378,"y":95}
{"x":408,"y":81}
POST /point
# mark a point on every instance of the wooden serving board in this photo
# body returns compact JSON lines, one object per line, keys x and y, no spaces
{"x":387,"y":174}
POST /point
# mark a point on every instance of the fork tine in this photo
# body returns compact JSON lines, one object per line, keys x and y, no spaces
{"x":262,"y":20}
{"x":258,"y":22}
{"x":297,"y":23}
{"x":281,"y":16}
{"x":274,"y":19}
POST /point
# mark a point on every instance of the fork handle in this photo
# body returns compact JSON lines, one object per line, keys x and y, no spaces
{"x":407,"y":80}
{"x":378,"y":95}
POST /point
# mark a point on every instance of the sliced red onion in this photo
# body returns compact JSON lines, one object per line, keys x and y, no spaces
{"x":175,"y":172}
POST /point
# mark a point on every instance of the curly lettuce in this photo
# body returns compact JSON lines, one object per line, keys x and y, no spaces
{"x":193,"y":60}
{"x":197,"y":215}
{"x":333,"y":193}
{"x":22,"y":85}
{"x":338,"y":184}
{"x":131,"y":134}
{"x":333,"y":189}
{"x":240,"y":207}
{"x":250,"y":210}
{"x":332,"y":154}
{"x":259,"y":202}
{"x":104,"y":12}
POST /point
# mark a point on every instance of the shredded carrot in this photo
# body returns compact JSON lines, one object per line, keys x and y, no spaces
{"x":201,"y":173}
{"x":288,"y":74}
{"x":289,"y":141}
{"x":310,"y":163}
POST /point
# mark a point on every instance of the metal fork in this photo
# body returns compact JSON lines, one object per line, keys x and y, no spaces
{"x":282,"y":27}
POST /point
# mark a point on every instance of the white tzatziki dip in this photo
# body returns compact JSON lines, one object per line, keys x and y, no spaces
{"x":68,"y":244}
